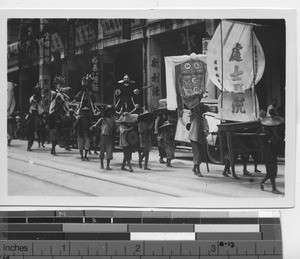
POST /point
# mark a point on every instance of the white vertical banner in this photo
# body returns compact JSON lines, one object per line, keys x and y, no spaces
{"x":234,"y":41}
{"x":235,"y":63}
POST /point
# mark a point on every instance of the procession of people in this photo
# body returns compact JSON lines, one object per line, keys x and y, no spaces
{"x":90,"y":128}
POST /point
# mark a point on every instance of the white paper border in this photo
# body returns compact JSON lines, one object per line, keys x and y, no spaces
{"x":107,"y":202}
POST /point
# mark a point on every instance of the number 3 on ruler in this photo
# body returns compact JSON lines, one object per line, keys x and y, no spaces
{"x":213,"y":248}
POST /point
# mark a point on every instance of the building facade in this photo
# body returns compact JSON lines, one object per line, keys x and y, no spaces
{"x":39,"y":49}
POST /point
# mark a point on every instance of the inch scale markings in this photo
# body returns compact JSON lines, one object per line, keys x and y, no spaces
{"x":139,"y":235}
{"x":172,"y":249}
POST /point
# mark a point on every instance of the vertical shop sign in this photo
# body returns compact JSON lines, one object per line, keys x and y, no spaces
{"x":155,"y":80}
{"x":95,"y":73}
{"x":205,"y":42}
{"x":126,"y":29}
{"x":56,"y":42}
{"x":47,"y":48}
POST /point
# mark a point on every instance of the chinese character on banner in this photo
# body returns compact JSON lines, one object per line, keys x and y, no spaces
{"x":236,"y":53}
{"x":238,"y":106}
{"x":235,"y":64}
{"x":233,"y":60}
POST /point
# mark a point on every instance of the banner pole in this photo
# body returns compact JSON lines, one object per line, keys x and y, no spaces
{"x":222,"y":76}
{"x":254,"y":72}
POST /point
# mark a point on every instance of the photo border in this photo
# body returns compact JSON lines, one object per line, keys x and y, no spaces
{"x":183,"y":203}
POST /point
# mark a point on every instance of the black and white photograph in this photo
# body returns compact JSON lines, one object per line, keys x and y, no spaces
{"x":198,"y":111}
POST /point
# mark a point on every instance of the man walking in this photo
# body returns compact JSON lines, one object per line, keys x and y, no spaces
{"x":82,"y":126}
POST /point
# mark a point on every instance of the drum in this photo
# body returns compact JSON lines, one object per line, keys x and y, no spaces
{"x":132,"y":137}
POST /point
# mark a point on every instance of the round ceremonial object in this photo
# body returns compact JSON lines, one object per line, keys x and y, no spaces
{"x":147,"y":116}
{"x":272,"y":121}
{"x":132,"y":137}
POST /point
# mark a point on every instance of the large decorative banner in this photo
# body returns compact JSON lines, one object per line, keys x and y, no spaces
{"x":239,"y":45}
{"x":171,"y":62}
{"x":190,"y":83}
{"x":235,"y":62}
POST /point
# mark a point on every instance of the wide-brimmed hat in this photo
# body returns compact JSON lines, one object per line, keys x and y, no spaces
{"x":166,"y":124}
{"x":272,"y":121}
{"x":162,"y":106}
{"x":126,"y":117}
{"x":147,"y":116}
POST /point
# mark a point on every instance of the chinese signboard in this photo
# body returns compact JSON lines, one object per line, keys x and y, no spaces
{"x":56,"y":43}
{"x":112,"y":26}
{"x":47,"y":48}
{"x":95,"y":73}
{"x":84,"y":34}
{"x":155,"y":80}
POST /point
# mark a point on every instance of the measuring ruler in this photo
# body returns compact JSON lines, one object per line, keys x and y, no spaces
{"x":140,"y":235}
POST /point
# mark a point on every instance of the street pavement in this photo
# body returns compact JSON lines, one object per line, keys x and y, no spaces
{"x":38,"y":173}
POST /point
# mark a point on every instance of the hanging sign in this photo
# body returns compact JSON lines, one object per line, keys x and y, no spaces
{"x":47,"y":48}
{"x":235,"y":57}
{"x":190,"y":83}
